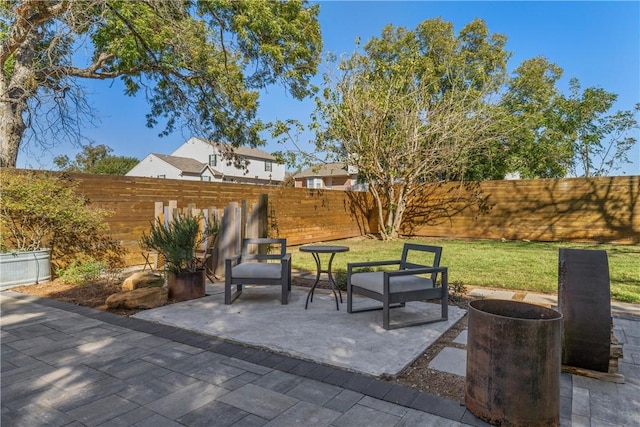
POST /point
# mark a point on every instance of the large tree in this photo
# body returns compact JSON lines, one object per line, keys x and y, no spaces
{"x":199,"y":64}
{"x":414,"y":107}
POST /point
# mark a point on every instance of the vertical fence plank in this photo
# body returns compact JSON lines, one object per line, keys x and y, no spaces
{"x":243,"y":219}
{"x":253,"y":225}
{"x":263,"y":210}
{"x":228,"y":240}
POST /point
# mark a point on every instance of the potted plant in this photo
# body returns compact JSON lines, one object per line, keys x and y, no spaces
{"x":178,"y":242}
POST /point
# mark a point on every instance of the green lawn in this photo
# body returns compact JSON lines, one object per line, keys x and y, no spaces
{"x":517,"y":265}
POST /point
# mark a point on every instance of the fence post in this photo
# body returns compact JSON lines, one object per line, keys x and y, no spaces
{"x":262,"y":214}
{"x":244,"y":213}
{"x":229,"y":235}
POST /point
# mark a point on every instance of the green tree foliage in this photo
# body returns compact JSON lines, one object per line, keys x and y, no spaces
{"x":414,"y":107}
{"x":200,"y":64}
{"x":555,"y":134}
{"x":601,"y":139}
{"x":540,"y":146}
{"x":96,"y":159}
{"x":45,"y":210}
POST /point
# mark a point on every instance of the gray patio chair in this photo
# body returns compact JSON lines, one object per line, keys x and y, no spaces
{"x":258,"y":264}
{"x":414,"y":280}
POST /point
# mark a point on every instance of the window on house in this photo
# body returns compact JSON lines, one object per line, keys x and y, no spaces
{"x":205,"y":178}
{"x":268,"y":166}
{"x":162,"y":176}
{"x":314,"y":183}
{"x":213,"y":160}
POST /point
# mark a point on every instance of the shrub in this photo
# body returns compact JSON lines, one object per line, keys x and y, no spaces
{"x":77,"y":272}
{"x":457,"y":291}
{"x":340,"y":277}
{"x":45,"y":210}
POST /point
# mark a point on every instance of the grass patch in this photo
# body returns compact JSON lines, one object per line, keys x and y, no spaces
{"x":513,"y":265}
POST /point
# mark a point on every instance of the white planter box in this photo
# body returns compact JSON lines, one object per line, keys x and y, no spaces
{"x":22,"y":268}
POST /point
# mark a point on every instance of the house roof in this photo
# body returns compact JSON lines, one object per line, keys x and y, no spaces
{"x":184,"y":164}
{"x":242,"y":150}
{"x":325,"y":169}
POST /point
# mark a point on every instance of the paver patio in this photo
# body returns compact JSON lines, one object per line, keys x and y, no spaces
{"x":70,"y":365}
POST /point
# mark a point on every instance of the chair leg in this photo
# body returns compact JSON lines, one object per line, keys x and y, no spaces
{"x":445,"y":295}
{"x":229,"y":297}
{"x":385,"y":315}
{"x":227,"y":290}
{"x":349,"y":297}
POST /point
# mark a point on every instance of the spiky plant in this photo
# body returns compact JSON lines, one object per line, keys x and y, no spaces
{"x":178,"y":241}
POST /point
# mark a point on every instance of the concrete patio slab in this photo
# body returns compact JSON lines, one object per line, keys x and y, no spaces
{"x":451,"y":360}
{"x":490,"y":293}
{"x":356,"y":342}
{"x":462,"y":337}
{"x":542,"y":299}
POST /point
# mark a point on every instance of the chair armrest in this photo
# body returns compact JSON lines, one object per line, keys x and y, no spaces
{"x":444,"y":271}
{"x":286,"y":257}
{"x":414,"y":271}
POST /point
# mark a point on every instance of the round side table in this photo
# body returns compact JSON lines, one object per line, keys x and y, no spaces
{"x":316,"y":250}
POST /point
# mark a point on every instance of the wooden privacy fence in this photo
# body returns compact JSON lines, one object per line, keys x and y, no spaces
{"x":601,"y":209}
{"x":237,"y":220}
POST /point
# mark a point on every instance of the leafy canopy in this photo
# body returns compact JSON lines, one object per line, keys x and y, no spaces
{"x":200,"y":64}
{"x":96,"y":159}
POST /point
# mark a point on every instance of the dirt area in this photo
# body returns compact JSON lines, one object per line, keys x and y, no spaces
{"x":417,"y":375}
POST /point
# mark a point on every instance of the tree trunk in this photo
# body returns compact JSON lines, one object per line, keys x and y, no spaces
{"x":389,"y":221}
{"x":12,"y":128}
{"x":16,"y":89}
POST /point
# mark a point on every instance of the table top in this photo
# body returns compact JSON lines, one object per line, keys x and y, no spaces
{"x":323,"y":249}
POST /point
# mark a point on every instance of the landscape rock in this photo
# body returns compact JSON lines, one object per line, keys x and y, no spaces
{"x":139,"y":298}
{"x":142,"y":279}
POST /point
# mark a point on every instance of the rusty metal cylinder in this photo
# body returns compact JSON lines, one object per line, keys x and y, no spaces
{"x":513,"y":363}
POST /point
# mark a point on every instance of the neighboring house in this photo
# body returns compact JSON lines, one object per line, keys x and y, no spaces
{"x":197,"y":159}
{"x":330,"y":176}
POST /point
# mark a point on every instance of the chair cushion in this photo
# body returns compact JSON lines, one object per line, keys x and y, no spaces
{"x":257,"y":270}
{"x":373,"y":281}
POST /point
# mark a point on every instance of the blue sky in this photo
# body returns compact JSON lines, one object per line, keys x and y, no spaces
{"x":597,"y":42}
